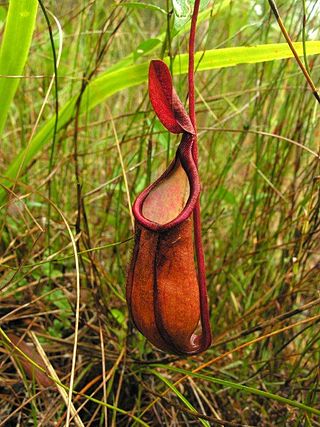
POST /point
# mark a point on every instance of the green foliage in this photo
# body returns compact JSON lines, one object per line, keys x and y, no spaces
{"x":183,"y":10}
{"x":109,"y":83}
{"x":14,"y":50}
{"x":58,"y":299}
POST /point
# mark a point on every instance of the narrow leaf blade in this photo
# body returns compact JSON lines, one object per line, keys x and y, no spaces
{"x":14,"y":50}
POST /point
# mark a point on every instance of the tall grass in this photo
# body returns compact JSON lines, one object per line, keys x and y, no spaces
{"x":259,"y":163}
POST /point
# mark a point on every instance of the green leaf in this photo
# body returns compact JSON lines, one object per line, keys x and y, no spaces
{"x":3,"y":14}
{"x":14,"y":50}
{"x":183,"y":11}
{"x":180,"y":396}
{"x":109,"y":83}
{"x":141,"y":5}
{"x":145,"y":47}
{"x":118,"y":315}
{"x":59,"y":299}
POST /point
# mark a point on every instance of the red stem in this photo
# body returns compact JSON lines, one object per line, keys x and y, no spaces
{"x":205,"y":320}
{"x":192,"y":37}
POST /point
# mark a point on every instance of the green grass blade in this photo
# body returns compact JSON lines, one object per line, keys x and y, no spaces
{"x":109,"y":83}
{"x":180,"y":396}
{"x":246,"y":389}
{"x":14,"y":50}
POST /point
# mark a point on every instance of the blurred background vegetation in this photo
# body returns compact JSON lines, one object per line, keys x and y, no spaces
{"x":259,"y":164}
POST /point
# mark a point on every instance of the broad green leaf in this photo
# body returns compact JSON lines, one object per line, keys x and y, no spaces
{"x":144,"y":48}
{"x":14,"y":50}
{"x":109,"y":83}
{"x":3,"y":14}
{"x":183,"y":11}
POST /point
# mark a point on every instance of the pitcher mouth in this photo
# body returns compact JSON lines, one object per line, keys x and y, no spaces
{"x":183,"y":160}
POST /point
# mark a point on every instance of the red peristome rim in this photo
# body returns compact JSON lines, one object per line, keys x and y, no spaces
{"x":184,"y":154}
